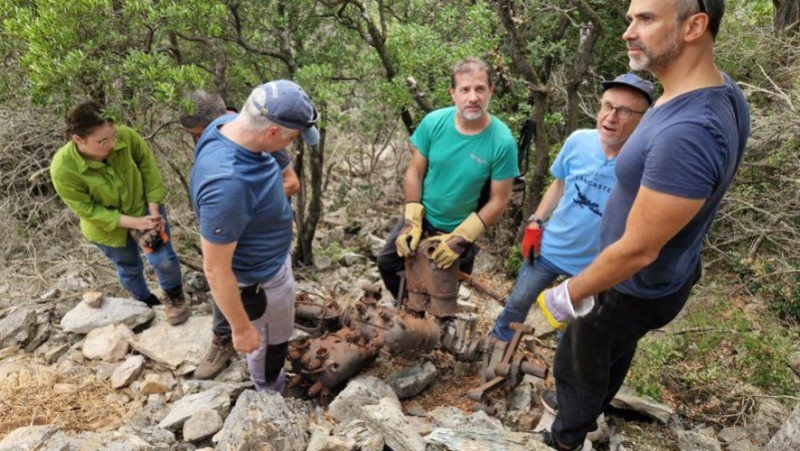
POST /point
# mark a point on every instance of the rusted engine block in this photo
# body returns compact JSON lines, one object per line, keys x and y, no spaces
{"x":351,"y":338}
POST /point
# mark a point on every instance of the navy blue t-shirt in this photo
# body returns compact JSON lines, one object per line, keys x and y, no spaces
{"x":689,"y":147}
{"x":238,"y":196}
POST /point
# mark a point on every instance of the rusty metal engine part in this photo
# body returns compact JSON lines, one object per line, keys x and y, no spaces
{"x":430,"y":290}
{"x":314,"y":318}
{"x":391,"y":329}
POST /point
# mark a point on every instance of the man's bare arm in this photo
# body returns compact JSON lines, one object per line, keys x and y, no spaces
{"x":653,"y":220}
{"x":550,"y":200}
{"x":217,"y":265}
{"x":415,"y":174}
{"x":500,"y":193}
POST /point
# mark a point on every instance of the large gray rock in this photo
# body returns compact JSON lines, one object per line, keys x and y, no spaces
{"x":696,"y":441}
{"x":788,"y":437}
{"x":361,"y":391}
{"x":18,"y":327}
{"x":217,"y":399}
{"x":321,"y":441}
{"x":202,"y":424}
{"x":31,"y":437}
{"x":127,"y":372}
{"x":263,"y":421}
{"x":455,"y":418}
{"x":174,"y":345}
{"x":108,"y":343}
{"x":413,"y":381}
{"x":387,"y":419}
{"x":127,"y":438}
{"x":442,"y":439}
{"x":627,"y":399}
{"x":364,"y":437}
{"x":82,"y":319}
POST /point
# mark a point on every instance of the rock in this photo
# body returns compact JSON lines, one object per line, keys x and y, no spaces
{"x":521,"y":398}
{"x":93,"y":299}
{"x":360,"y":391}
{"x":217,"y":399}
{"x":769,"y":416}
{"x":204,"y":423}
{"x":731,"y":435}
{"x":375,"y":244}
{"x":413,"y":381}
{"x":109,"y":343}
{"x":322,"y":262}
{"x":349,"y":259}
{"x":476,"y":440}
{"x":127,"y":438}
{"x":420,"y":425}
{"x":467,"y":307}
{"x":195,"y":282}
{"x":788,"y":437}
{"x":262,"y":421}
{"x":31,"y":437}
{"x":626,"y":399}
{"x":174,"y":345}
{"x":50,"y":294}
{"x":321,"y":441}
{"x":464,"y":293}
{"x":157,"y":384}
{"x":18,"y":327}
{"x":455,"y":418}
{"x":416,"y":410}
{"x":387,"y":419}
{"x":54,"y":352}
{"x":82,"y":319}
{"x":364,"y":437}
{"x":747,"y":445}
{"x":127,"y":372}
{"x":696,"y":441}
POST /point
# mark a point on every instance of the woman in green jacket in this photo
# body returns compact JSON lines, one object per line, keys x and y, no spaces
{"x":108,"y":177}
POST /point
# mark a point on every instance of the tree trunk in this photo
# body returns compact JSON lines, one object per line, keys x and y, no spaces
{"x":787,"y":16}
{"x":307,"y":220}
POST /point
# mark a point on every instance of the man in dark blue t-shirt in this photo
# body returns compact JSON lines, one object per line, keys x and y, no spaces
{"x":671,"y":177}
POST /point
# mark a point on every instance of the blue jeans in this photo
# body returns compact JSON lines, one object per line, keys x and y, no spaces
{"x":532,"y":280}
{"x":130,"y":269}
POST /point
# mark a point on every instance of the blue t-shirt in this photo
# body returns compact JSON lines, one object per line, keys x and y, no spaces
{"x":571,"y":239}
{"x":689,"y":147}
{"x":238,"y":196}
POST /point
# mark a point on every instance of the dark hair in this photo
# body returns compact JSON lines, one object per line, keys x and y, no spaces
{"x":85,"y":118}
{"x":469,"y":65}
{"x":205,"y":107}
{"x":714,"y":9}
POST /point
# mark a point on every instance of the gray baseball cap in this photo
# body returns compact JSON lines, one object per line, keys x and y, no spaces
{"x":632,"y":81}
{"x":288,"y":105}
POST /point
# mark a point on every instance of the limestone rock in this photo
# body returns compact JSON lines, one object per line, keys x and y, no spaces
{"x":387,"y":419}
{"x":109,"y":343}
{"x":413,"y":381}
{"x":174,"y":345}
{"x":157,"y":384}
{"x":627,"y":399}
{"x":364,"y":437}
{"x":30,"y":437}
{"x":455,"y":418}
{"x":360,"y":391}
{"x":127,"y":372}
{"x":521,"y":398}
{"x":475,"y":440}
{"x":788,"y":437}
{"x":93,"y":299}
{"x":18,"y":327}
{"x":263,"y":421}
{"x":204,"y":423}
{"x":321,"y":441}
{"x":82,"y":319}
{"x":696,"y":441}
{"x":217,"y":399}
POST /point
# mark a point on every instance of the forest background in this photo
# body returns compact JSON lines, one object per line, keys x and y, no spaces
{"x":374,"y":68}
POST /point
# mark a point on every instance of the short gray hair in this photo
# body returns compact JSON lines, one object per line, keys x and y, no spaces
{"x":715,"y":9}
{"x":253,"y":119}
{"x":206,"y":107}
{"x":469,"y":65}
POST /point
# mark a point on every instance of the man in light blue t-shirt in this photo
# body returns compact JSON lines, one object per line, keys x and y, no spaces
{"x":456,"y":151}
{"x":573,"y":205}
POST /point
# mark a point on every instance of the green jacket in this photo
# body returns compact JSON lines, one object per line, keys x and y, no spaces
{"x":101,"y":192}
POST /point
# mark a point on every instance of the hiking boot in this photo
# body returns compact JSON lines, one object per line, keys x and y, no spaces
{"x":177,"y":307}
{"x":549,"y":400}
{"x":151,"y":301}
{"x":216,"y":359}
{"x":548,"y":440}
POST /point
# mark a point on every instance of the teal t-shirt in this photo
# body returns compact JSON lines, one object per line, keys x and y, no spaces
{"x":459,"y":165}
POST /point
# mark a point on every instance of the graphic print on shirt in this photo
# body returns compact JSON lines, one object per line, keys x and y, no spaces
{"x":598,"y":182}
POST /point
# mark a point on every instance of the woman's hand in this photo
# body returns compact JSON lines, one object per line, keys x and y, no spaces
{"x":143,"y":224}
{"x":153,"y":207}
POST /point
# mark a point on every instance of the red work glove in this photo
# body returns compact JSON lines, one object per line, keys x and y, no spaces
{"x":531,"y":243}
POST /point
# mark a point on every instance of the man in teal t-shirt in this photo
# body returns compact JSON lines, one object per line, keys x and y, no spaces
{"x":456,"y":150}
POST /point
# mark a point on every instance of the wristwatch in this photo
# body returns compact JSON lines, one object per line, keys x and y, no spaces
{"x":534,"y":218}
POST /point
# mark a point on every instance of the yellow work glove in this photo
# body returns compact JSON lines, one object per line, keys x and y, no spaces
{"x":454,"y":243}
{"x":410,"y":234}
{"x":558,"y":307}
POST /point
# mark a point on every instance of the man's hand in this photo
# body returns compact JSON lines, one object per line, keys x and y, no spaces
{"x":558,"y":307}
{"x":247,"y":339}
{"x":454,"y":243}
{"x":410,"y":234}
{"x":532,"y":242}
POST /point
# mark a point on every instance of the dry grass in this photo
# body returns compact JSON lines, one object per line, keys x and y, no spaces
{"x":36,"y":394}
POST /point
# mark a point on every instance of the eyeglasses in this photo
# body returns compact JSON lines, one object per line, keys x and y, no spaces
{"x":622,"y":111}
{"x":702,"y":5}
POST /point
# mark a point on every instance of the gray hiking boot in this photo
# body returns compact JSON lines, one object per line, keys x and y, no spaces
{"x":177,"y":308}
{"x":216,"y":359}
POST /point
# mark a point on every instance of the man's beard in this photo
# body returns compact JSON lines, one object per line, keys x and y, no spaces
{"x":471,"y":115}
{"x":656,"y":63}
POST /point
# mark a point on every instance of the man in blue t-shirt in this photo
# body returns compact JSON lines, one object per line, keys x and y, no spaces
{"x":671,"y":177}
{"x":456,"y":152}
{"x":207,"y":107}
{"x":246,"y":222}
{"x":573,"y":204}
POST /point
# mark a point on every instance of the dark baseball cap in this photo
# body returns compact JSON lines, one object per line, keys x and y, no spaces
{"x":632,"y":81}
{"x":288,"y":105}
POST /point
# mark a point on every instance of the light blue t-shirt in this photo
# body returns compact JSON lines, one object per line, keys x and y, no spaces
{"x":238,"y":197}
{"x":571,"y":238}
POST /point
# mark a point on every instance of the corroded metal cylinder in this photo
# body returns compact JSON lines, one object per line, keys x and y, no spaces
{"x":431,"y":290}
